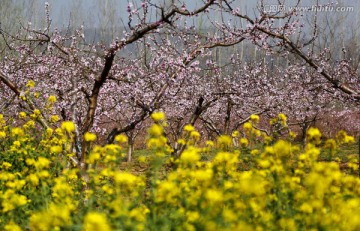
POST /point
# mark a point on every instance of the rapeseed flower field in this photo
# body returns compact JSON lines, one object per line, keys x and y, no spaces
{"x":286,"y":188}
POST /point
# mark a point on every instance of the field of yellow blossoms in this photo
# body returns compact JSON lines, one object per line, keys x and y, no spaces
{"x":284,"y":187}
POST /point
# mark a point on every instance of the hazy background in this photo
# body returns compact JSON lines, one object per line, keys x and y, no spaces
{"x":103,"y":13}
{"x":104,"y":20}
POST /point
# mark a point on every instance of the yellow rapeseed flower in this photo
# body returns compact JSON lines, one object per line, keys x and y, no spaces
{"x":181,"y":141}
{"x":254,"y":152}
{"x":126,"y":179}
{"x":224,"y":141}
{"x":52,"y":99}
{"x":121,"y":138}
{"x":314,"y":135}
{"x":2,"y":134}
{"x":306,"y":208}
{"x":330,"y":144}
{"x":41,"y":163}
{"x":139,"y":213}
{"x":22,"y":115}
{"x":11,"y":226}
{"x":282,"y":117}
{"x":292,"y":134}
{"x":158,"y":116}
{"x":282,"y":149}
{"x":189,"y":128}
{"x":17,"y":132}
{"x":209,"y":143}
{"x":195,"y":135}
{"x":37,"y":112}
{"x":68,"y":126}
{"x":244,"y":142}
{"x":156,"y":130}
{"x":235,"y":134}
{"x":56,"y":149}
{"x":257,"y":133}
{"x":6,"y":165}
{"x":89,"y":137}
{"x":214,"y":196}
{"x":95,"y":221}
{"x":54,"y":118}
{"x":255,"y":118}
{"x":11,"y":200}
{"x":29,"y":124}
{"x":16,"y":144}
{"x":49,"y":132}
{"x":349,"y":140}
{"x":247,"y":126}
{"x":33,"y":179}
{"x":30,"y":84}
{"x":343,"y":138}
{"x":190,"y":156}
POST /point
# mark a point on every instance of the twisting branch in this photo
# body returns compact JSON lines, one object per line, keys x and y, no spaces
{"x":200,"y":108}
{"x":335,"y":82}
{"x":136,"y":35}
{"x":146,"y":111}
{"x":17,"y":92}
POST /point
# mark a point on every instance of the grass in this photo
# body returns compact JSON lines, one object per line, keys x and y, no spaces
{"x":342,"y":155}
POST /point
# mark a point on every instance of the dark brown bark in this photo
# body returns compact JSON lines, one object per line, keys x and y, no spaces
{"x":200,"y":108}
{"x":228,"y":116}
{"x":136,"y":35}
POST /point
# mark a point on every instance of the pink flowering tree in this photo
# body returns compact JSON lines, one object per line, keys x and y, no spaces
{"x":169,"y":64}
{"x":78,"y":74}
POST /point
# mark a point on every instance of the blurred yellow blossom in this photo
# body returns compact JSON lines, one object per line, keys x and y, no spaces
{"x":209,"y":143}
{"x":2,"y":134}
{"x":37,"y":112}
{"x":12,"y":226}
{"x":244,"y":142}
{"x":158,"y":116}
{"x":254,"y":118}
{"x":22,"y":115}
{"x":54,"y":118}
{"x":17,"y":132}
{"x":343,"y":138}
{"x":95,"y":221}
{"x":292,"y":134}
{"x":121,"y":138}
{"x":247,"y":126}
{"x":142,"y":159}
{"x":68,"y":126}
{"x":282,"y":118}
{"x":30,"y":84}
{"x":189,"y":128}
{"x":314,"y":135}
{"x":52,"y":99}
{"x":330,"y":144}
{"x":224,"y":141}
{"x":235,"y":134}
{"x":89,"y":137}
{"x":195,"y":135}
{"x":156,"y":130}
{"x":56,"y":149}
